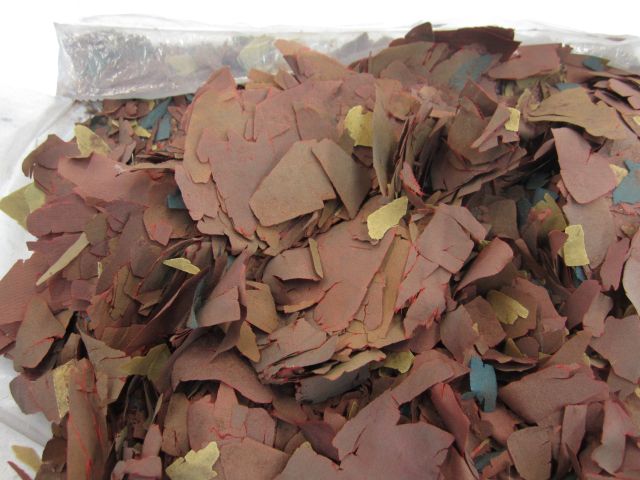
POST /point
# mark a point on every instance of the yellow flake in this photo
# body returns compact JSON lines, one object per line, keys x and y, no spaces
{"x":513,"y":124}
{"x":507,"y":309}
{"x":619,"y":172}
{"x":359,"y":124}
{"x":400,"y":361}
{"x":89,"y":142}
{"x":150,"y":365}
{"x":61,"y":377}
{"x":182,"y":264}
{"x":28,"y":456}
{"x":315,"y":256}
{"x":67,"y":257}
{"x":19,"y":204}
{"x":195,"y":465}
{"x":386,"y":217}
{"x":573,"y":250}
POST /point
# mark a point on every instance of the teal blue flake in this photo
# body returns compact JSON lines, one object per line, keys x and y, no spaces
{"x":483,"y":460}
{"x":483,"y":383}
{"x":150,"y":119}
{"x":594,"y":63}
{"x":470,"y":71}
{"x":579,"y":276}
{"x":566,"y":86}
{"x":164,"y":128}
{"x":539,"y":194}
{"x":175,"y":201}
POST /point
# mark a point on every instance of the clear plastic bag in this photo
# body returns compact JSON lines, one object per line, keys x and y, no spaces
{"x":146,"y":57}
{"x":120,"y":57}
{"x":27,"y":119}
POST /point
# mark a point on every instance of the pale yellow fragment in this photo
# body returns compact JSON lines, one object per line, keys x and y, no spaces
{"x":619,"y":172}
{"x":89,"y":142}
{"x":513,"y":124}
{"x":636,"y":119}
{"x":507,"y":309}
{"x":65,"y":259}
{"x":141,"y":131}
{"x":386,"y":217}
{"x":573,"y":250}
{"x":359,"y":124}
{"x":183,"y":264}
{"x":247,"y":344}
{"x":61,"y":378}
{"x":182,"y":64}
{"x":195,"y":465}
{"x":354,"y":363}
{"x":400,"y":361}
{"x":150,"y":365}
{"x":19,"y":204}
{"x":28,"y":456}
{"x":315,"y":257}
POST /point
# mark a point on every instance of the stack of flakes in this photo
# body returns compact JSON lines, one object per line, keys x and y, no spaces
{"x":423,"y":265}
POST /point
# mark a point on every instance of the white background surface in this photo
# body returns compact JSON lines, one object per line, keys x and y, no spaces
{"x":28,"y":62}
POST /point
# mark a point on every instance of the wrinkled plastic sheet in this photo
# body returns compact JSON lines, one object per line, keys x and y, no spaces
{"x":27,"y":118}
{"x":127,"y":57}
{"x":144,"y":57}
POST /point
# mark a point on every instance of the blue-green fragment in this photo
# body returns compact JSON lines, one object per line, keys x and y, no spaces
{"x":594,"y":63}
{"x":150,"y":119}
{"x":629,"y":189}
{"x":539,"y":194}
{"x":175,"y":201}
{"x":470,"y":71}
{"x":483,"y":383}
{"x":566,"y":86}
{"x":483,"y":460}
{"x":164,"y":128}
